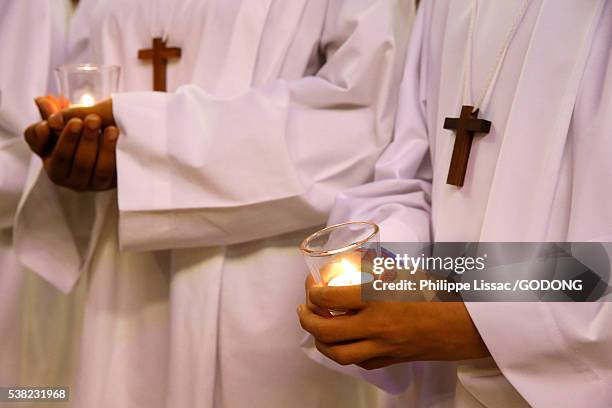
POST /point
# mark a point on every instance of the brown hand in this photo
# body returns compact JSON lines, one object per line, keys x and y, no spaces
{"x":105,"y":173}
{"x":379,"y":334}
{"x":85,"y":155}
{"x":39,"y":136}
{"x":79,"y":156}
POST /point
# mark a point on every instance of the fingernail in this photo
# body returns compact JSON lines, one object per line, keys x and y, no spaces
{"x":76,"y":127}
{"x":93,"y":123}
{"x":55,"y":121}
{"x":112,"y":134}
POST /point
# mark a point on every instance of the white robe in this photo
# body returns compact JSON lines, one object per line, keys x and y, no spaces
{"x":542,"y":174}
{"x":35,"y":318}
{"x":275,"y":106}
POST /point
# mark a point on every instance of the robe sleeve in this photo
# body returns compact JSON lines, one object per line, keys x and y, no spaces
{"x":39,"y":220}
{"x":18,"y":87}
{"x":197,"y":170}
{"x":399,"y":197}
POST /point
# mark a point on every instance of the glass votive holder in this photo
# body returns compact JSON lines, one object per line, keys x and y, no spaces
{"x":342,"y":255}
{"x":85,"y":84}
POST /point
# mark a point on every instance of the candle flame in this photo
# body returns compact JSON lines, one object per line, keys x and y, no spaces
{"x":348,"y":266}
{"x":346,"y":273}
{"x":87,"y":100}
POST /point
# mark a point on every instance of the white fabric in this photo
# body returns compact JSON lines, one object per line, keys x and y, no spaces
{"x":18,"y":87}
{"x":542,"y":174}
{"x":36,"y":320}
{"x":275,"y":107}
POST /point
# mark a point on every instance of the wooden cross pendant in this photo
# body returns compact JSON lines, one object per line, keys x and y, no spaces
{"x":160,"y":56}
{"x":466,"y":127}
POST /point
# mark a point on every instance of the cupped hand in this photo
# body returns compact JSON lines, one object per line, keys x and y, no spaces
{"x":77,"y":153}
{"x":378,"y":334}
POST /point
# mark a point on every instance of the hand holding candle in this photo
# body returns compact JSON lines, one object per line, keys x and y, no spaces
{"x":77,"y":143}
{"x":375,"y":334}
{"x":379,"y":334}
{"x":77,"y":153}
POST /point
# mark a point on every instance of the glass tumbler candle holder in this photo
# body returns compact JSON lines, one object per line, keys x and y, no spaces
{"x":86,"y":84}
{"x":342,"y":255}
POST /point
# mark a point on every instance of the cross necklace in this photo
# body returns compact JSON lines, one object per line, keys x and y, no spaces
{"x":160,"y":54}
{"x":467,"y":125}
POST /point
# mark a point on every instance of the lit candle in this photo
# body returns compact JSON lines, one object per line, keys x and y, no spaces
{"x":345,"y":273}
{"x":86,"y":84}
{"x":85,"y":100}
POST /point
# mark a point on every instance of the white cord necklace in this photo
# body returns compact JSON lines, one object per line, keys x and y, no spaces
{"x":485,"y":96}
{"x":468,"y":125}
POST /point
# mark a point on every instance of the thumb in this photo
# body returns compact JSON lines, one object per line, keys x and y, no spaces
{"x":104,"y":109}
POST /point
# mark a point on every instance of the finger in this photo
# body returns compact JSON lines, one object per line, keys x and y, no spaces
{"x":43,"y":139}
{"x":318,"y":310}
{"x":47,"y":106}
{"x":104,"y":173}
{"x":86,"y":154}
{"x":37,"y":136}
{"x":337,"y":297}
{"x":352,"y":353}
{"x":56,"y":121}
{"x":60,"y":161}
{"x":56,"y":125}
{"x":30,"y":135}
{"x":53,"y":100}
{"x":335,"y":329}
